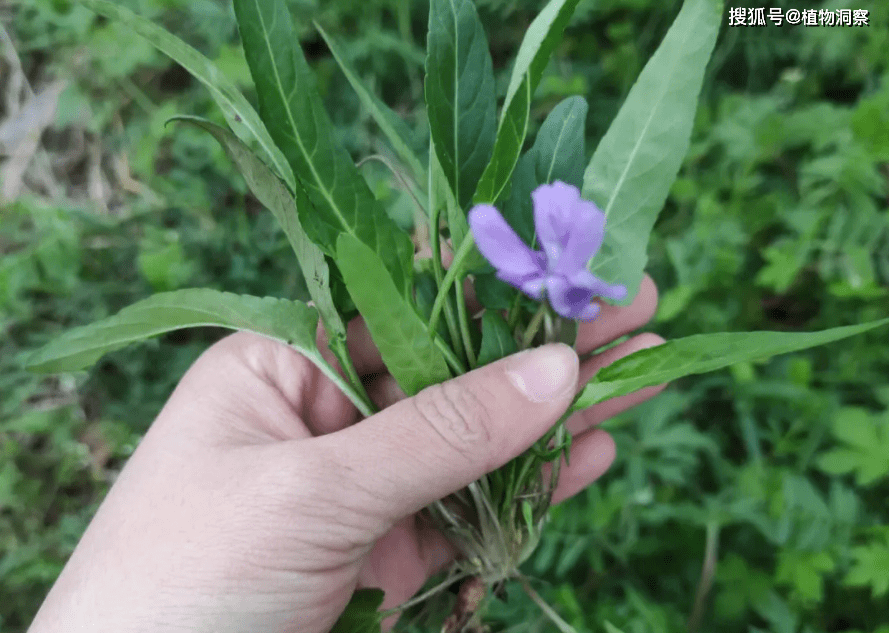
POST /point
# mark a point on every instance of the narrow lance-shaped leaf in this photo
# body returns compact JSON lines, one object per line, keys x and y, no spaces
{"x":460,"y":96}
{"x":557,"y":154}
{"x":391,"y":125}
{"x":560,"y":147}
{"x":537,"y":46}
{"x":534,"y":53}
{"x":637,"y":160}
{"x":237,"y":111}
{"x":699,"y":354}
{"x":508,"y":146}
{"x":294,"y":113}
{"x":273,"y":195}
{"x":290,"y":322}
{"x":397,"y":330}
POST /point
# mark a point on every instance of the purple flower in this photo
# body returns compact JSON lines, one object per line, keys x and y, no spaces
{"x":570,"y":231}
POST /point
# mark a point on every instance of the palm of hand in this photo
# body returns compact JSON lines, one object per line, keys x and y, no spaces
{"x":401,"y":559}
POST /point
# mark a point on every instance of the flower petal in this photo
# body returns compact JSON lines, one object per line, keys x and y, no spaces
{"x":589,"y":313}
{"x":553,"y":206}
{"x":585,"y":238}
{"x":531,"y":286}
{"x":501,"y":246}
{"x":586,"y":279}
{"x":568,"y":300}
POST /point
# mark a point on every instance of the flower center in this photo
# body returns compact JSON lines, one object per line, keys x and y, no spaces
{"x":577,"y":295}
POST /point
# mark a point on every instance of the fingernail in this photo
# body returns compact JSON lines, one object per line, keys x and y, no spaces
{"x":544,"y":373}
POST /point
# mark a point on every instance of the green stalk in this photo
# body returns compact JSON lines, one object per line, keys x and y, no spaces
{"x":434,"y":240}
{"x":533,"y":326}
{"x":453,"y":272}
{"x":464,"y":322}
{"x":528,"y":461}
{"x":512,"y":316}
{"x":341,"y":352}
{"x":563,"y":626}
{"x":455,"y":363}
{"x":451,"y":579}
{"x":461,"y":307}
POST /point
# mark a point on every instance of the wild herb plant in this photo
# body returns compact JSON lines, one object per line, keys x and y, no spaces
{"x":537,"y":233}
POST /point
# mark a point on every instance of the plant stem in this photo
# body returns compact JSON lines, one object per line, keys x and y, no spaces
{"x":451,"y":579}
{"x":358,"y":398}
{"x":455,"y":363}
{"x":708,"y":570}
{"x":341,"y":352}
{"x":464,"y":325}
{"x":533,"y":326}
{"x":451,"y":279}
{"x":563,"y":626}
{"x":435,"y":244}
{"x":513,"y":315}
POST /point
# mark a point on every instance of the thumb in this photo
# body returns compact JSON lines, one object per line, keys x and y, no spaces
{"x":423,"y":448}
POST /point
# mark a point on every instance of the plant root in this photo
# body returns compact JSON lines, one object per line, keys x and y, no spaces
{"x":464,"y":617}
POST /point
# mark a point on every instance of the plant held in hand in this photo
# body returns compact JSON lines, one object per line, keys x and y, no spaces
{"x":557,"y":234}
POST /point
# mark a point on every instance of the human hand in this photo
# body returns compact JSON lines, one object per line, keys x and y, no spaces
{"x":256,"y":503}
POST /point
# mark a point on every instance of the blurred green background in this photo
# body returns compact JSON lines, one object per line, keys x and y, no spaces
{"x":753,"y":499}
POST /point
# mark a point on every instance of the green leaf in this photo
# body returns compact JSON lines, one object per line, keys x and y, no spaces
{"x":741,"y":587}
{"x":497,"y":340}
{"x":460,"y":96}
{"x":637,"y":160}
{"x":856,"y":426}
{"x":534,"y":53}
{"x":362,"y":614}
{"x":292,"y":322}
{"x":699,"y":354}
{"x":341,"y":202}
{"x":560,"y":146}
{"x":804,"y":571}
{"x":557,"y":154}
{"x":866,"y":446}
{"x":528,"y":515}
{"x":869,"y":569}
{"x":237,"y":111}
{"x":507,"y":147}
{"x":537,"y":46}
{"x":398,"y":332}
{"x":273,"y":195}
{"x":493,"y":293}
{"x":518,"y":209}
{"x":392,"y":126}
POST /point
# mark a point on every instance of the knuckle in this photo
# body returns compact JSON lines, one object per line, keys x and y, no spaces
{"x":456,"y":415}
